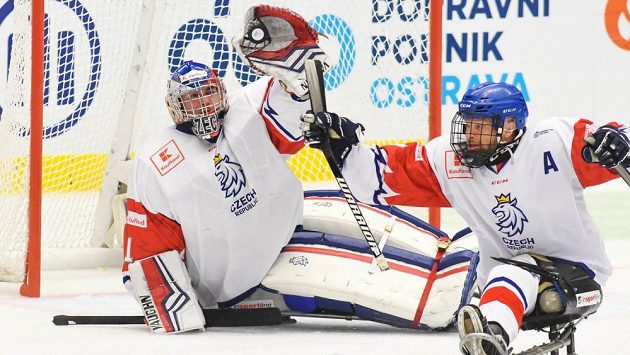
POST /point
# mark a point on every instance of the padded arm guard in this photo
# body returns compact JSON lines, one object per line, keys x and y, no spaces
{"x":162,"y":286}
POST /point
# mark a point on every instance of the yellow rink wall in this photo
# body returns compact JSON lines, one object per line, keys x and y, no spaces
{"x":84,"y":172}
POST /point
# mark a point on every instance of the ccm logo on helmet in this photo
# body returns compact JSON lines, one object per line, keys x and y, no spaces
{"x":508,"y":110}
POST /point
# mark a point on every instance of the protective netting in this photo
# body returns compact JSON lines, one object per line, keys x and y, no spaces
{"x":87,"y":60}
{"x":93,"y":84}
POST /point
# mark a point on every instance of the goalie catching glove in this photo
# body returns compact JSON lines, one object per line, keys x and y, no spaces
{"x":316,"y":128}
{"x":611,"y":147}
{"x":277,"y":42}
{"x":162,"y":286}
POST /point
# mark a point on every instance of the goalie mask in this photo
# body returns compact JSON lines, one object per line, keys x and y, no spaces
{"x":478,"y":129}
{"x":196,"y":97}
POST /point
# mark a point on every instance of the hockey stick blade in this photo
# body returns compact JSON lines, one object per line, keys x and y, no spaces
{"x":225,"y":317}
{"x":623,"y":172}
{"x":315,"y":80}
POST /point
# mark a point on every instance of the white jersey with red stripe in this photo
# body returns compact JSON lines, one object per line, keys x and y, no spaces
{"x":533,"y":203}
{"x":229,"y":207}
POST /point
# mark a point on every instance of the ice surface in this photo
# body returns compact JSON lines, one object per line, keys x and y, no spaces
{"x":26,"y":327}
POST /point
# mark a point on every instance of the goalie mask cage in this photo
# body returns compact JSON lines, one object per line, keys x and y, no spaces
{"x":85,"y":84}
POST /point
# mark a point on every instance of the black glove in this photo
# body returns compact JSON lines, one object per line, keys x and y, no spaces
{"x":611,"y":148}
{"x":316,"y":127}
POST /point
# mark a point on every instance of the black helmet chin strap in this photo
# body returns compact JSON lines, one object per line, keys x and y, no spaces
{"x":504,"y":150}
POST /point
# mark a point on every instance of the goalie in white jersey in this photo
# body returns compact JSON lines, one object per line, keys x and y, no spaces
{"x":519,"y":188}
{"x":212,"y":205}
{"x":214,"y":190}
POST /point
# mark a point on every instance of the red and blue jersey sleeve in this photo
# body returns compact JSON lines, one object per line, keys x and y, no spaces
{"x":147,"y":234}
{"x":281,"y":113}
{"x":395,"y":175}
{"x":410,"y":175}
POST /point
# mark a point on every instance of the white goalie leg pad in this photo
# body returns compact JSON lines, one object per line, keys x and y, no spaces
{"x":162,"y":286}
{"x":333,"y":215}
{"x":402,"y":294}
{"x":343,"y":276}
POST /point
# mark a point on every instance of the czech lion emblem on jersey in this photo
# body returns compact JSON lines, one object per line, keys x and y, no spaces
{"x":230,"y":175}
{"x":510,"y":219}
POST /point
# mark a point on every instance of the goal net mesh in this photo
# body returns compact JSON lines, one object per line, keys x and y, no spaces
{"x":106,"y":65}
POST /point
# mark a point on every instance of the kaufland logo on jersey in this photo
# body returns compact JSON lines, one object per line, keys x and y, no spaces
{"x":137,"y":219}
{"x":454,"y":167}
{"x":164,"y":155}
{"x":167,"y":158}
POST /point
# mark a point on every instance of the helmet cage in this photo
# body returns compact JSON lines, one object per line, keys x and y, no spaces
{"x":481,"y":154}
{"x":498,"y":101}
{"x":200,"y":102}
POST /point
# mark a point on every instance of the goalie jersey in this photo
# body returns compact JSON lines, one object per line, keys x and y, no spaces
{"x":533,"y":203}
{"x":227,"y":208}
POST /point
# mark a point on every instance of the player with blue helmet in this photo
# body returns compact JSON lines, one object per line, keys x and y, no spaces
{"x":520,"y":188}
{"x":490,"y":120}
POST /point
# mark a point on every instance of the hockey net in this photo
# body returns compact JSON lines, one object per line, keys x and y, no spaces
{"x":105,"y":68}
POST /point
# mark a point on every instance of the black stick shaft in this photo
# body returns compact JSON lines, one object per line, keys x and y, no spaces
{"x":214,"y":318}
{"x":315,"y":79}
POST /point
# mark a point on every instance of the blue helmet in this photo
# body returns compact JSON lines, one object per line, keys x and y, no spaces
{"x":498,"y":100}
{"x":477,"y":130}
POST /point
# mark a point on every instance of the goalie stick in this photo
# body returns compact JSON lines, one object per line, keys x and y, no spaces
{"x":315,"y":80}
{"x":623,"y":172}
{"x":224,"y":317}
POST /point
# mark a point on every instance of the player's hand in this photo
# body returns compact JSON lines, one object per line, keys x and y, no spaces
{"x":610,"y":146}
{"x":277,"y":42}
{"x":314,"y":134}
{"x":342,"y":132}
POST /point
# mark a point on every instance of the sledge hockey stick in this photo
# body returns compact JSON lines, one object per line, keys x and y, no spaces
{"x":315,"y":80}
{"x":214,"y":318}
{"x":224,"y":317}
{"x":623,"y":172}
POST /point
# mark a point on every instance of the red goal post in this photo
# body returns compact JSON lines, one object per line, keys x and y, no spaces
{"x":91,"y":76}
